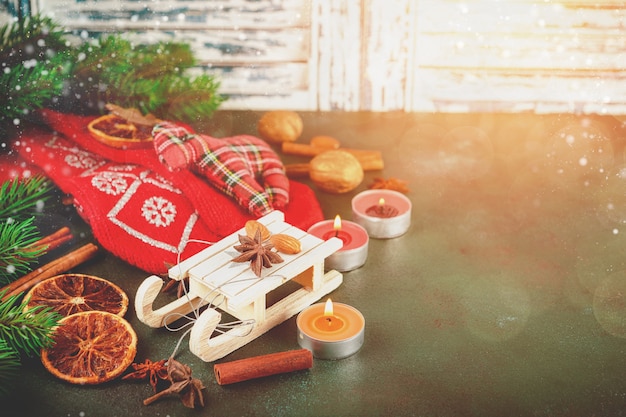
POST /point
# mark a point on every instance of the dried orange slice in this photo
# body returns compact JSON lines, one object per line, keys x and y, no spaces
{"x":90,"y":348}
{"x":73,"y":293}
{"x":117,"y":132}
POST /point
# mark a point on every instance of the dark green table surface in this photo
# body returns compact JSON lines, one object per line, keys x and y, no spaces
{"x":507,"y":297}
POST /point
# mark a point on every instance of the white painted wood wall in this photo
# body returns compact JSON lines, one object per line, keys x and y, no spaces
{"x":386,"y":55}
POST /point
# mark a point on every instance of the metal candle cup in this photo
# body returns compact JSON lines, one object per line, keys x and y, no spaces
{"x":353,"y":253}
{"x":335,"y":336}
{"x":395,"y":217}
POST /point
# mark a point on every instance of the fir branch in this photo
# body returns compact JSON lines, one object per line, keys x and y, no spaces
{"x":33,"y":55}
{"x":151,"y":78}
{"x":42,"y":68}
{"x":26,"y":330}
{"x":9,"y":367}
{"x":16,"y":252}
{"x":26,"y":89}
{"x":190,"y":99}
{"x":13,"y":35}
{"x":18,"y":196}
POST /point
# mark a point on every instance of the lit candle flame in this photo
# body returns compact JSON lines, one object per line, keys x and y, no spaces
{"x":337,"y":223}
{"x":381,"y":202}
{"x":328,"y":308}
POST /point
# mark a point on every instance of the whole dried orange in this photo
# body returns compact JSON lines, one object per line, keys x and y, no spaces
{"x":117,"y":132}
{"x":90,"y":348}
{"x":73,"y":293}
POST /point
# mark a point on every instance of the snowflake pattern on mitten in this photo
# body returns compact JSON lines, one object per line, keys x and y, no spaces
{"x":243,"y":167}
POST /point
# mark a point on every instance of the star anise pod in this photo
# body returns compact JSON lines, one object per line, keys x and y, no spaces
{"x":181,"y":286}
{"x":148,"y":369}
{"x":258,"y":253}
{"x":183,"y":384}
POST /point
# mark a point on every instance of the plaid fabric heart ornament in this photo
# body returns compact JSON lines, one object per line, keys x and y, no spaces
{"x":244,"y":167}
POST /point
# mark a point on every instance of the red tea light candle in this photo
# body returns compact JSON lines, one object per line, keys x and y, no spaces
{"x":383,"y":213}
{"x":355,"y":239}
{"x":331,"y":330}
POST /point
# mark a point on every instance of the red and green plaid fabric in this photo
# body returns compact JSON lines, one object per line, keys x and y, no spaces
{"x":243,"y":167}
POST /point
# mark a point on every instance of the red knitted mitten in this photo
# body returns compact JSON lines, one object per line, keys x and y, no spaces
{"x":235,"y":165}
{"x":133,"y":212}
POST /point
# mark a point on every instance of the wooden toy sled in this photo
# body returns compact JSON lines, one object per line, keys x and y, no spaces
{"x":235,"y":289}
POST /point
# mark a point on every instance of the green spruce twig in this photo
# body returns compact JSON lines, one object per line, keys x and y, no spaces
{"x":43,"y":66}
{"x":19,"y":201}
{"x":19,"y":197}
{"x":14,"y":35}
{"x":26,"y":330}
{"x":34,"y":56}
{"x":23,"y":331}
{"x":17,"y":253}
{"x":151,"y":78}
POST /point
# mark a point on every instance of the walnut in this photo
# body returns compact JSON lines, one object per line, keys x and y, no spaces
{"x":280,"y":126}
{"x":336,"y":171}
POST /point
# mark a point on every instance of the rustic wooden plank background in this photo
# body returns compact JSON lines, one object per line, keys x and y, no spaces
{"x":386,"y":55}
{"x":545,"y":56}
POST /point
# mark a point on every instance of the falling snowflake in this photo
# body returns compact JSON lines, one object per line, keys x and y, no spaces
{"x":110,"y":183}
{"x":158,"y":211}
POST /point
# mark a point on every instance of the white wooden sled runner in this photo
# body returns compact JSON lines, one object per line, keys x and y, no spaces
{"x":213,"y":275}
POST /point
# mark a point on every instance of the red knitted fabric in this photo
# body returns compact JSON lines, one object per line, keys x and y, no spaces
{"x":137,"y":208}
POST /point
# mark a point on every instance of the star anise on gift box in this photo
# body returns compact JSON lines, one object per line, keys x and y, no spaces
{"x":182,"y":383}
{"x":390,"y":183}
{"x":259,"y":254}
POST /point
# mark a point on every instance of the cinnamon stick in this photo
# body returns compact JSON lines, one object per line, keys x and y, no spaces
{"x":297,"y":170}
{"x":261,"y":366}
{"x":55,"y":267}
{"x":54,"y":240}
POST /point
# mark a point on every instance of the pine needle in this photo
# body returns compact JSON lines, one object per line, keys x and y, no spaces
{"x":26,"y":331}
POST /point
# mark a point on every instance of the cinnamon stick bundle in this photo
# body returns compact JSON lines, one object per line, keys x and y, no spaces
{"x":261,"y":366}
{"x":55,"y":267}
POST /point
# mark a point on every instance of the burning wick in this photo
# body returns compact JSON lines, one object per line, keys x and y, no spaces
{"x":337,"y":225}
{"x":338,"y":232}
{"x":382,"y":210}
{"x":329,"y":322}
